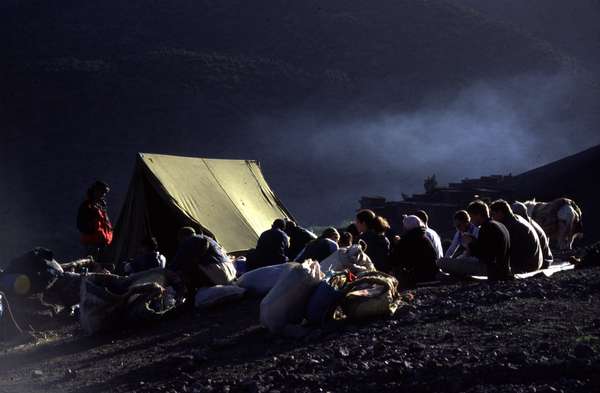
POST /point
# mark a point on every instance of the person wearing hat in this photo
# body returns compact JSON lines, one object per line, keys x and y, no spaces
{"x":93,"y":222}
{"x":322,"y":247}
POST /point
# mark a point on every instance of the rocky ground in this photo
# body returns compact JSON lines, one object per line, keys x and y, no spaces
{"x":535,"y":335}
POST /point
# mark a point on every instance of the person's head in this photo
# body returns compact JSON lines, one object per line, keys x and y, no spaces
{"x":149,"y":244}
{"x":364,"y":219}
{"x":461,"y":220}
{"x":290,"y":225}
{"x":185,"y":233}
{"x":98,"y":190}
{"x":500,"y":210}
{"x":423,"y":216}
{"x":346,"y":239}
{"x":479,"y":212}
{"x":412,"y":222}
{"x":353,"y":231}
{"x":279,"y":223}
{"x":331,"y":233}
{"x":367,"y":220}
{"x":520,"y":209}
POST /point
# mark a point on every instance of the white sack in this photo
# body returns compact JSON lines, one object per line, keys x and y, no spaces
{"x":351,"y":258}
{"x":260,"y":281}
{"x":285,"y":304}
{"x":219,"y":294}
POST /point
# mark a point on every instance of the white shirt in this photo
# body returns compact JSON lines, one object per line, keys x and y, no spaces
{"x":458,"y":241}
{"x":436,"y":241}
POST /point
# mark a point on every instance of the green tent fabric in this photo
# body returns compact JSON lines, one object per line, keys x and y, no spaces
{"x":229,"y":200}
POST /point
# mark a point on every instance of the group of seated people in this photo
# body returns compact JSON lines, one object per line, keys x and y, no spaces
{"x":496,"y":241}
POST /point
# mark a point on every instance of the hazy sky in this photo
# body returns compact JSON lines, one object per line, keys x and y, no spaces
{"x":499,"y":127}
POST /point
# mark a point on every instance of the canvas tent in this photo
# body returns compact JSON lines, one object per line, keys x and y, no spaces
{"x":229,"y":200}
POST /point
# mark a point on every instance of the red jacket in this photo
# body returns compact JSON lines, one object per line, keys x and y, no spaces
{"x":94,"y":224}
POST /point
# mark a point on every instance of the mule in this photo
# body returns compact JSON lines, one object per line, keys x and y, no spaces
{"x":561,"y":219}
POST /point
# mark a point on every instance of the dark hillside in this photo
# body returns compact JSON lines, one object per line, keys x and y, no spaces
{"x":571,"y":26}
{"x":86,"y":86}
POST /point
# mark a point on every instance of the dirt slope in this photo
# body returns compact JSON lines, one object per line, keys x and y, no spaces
{"x":536,"y":335}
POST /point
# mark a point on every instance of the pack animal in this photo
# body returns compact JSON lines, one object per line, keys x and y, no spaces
{"x":561,"y":219}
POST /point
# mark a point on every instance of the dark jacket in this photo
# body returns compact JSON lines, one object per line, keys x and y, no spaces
{"x":318,"y":250}
{"x":193,"y":252}
{"x":414,"y":258}
{"x":544,"y":244}
{"x":378,"y":249}
{"x":492,"y":247}
{"x":197,"y":250}
{"x":299,"y":238}
{"x":270,"y":249}
{"x":525,"y":252}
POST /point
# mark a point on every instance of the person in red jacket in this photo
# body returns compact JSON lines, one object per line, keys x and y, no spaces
{"x":93,"y":221}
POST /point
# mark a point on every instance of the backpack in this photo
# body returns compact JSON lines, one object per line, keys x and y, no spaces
{"x":371,"y":295}
{"x":39,"y":266}
{"x":85,"y":218}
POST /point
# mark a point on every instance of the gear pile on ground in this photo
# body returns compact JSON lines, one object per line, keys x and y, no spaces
{"x":540,"y":334}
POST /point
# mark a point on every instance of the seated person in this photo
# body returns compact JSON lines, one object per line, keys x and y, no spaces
{"x":149,"y":258}
{"x":201,"y":261}
{"x":520,"y":209}
{"x":462,"y":223}
{"x":346,"y":239}
{"x":489,"y":252}
{"x":271,"y":247}
{"x":431,"y":234}
{"x":299,"y":238}
{"x":413,"y":258}
{"x":321,"y":248}
{"x":372,"y":229}
{"x":525,"y":251}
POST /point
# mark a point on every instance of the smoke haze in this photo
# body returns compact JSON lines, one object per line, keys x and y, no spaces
{"x":494,"y":127}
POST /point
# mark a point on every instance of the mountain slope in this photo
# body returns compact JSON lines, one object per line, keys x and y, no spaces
{"x":86,"y":86}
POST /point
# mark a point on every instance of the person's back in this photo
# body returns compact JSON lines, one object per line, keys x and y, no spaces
{"x":414,"y":258}
{"x":547,"y":256}
{"x":436,"y":241}
{"x":271,"y":247}
{"x":201,"y":261}
{"x":318,"y":250}
{"x":298,"y":237}
{"x":526,"y":254}
{"x":200,"y":249}
{"x":492,"y":247}
{"x":378,"y":249}
{"x":431,"y":234}
{"x":520,"y":209}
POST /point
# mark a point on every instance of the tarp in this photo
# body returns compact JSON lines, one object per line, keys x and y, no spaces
{"x":229,"y":200}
